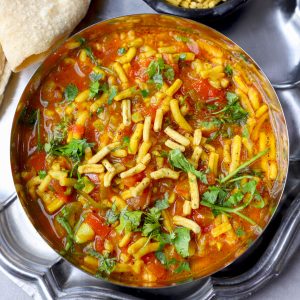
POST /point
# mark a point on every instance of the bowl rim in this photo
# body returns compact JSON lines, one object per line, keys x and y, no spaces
{"x":168,"y":285}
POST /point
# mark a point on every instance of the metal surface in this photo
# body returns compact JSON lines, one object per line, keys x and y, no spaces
{"x":268,"y":30}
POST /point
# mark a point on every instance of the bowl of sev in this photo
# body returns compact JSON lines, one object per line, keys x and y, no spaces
{"x":149,"y":150}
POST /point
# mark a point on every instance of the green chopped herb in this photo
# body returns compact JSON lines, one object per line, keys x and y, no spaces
{"x":129,"y":220}
{"x":232,"y":112}
{"x":126,"y":140}
{"x":94,"y":89}
{"x":121,"y":51}
{"x":28,"y":116}
{"x":71,"y":92}
{"x":145,"y":93}
{"x":81,"y":40}
{"x":228,"y":70}
{"x":157,"y":69}
{"x":95,"y":76}
{"x":180,"y":38}
{"x":90,"y":54}
{"x":152,"y":226}
{"x":112,"y":94}
{"x":240,"y":232}
{"x":105,"y":264}
{"x":74,"y":150}
{"x":100,"y":110}
{"x":184,"y":266}
{"x":112,"y":215}
{"x":244,"y":165}
{"x":182,"y":240}
{"x":42,"y":174}
{"x":178,"y":160}
{"x":245,"y":132}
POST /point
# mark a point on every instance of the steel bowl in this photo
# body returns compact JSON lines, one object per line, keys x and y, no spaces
{"x":218,"y":12}
{"x":181,"y":25}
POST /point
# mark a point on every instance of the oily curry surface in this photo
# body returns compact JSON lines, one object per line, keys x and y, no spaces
{"x":147,"y":155}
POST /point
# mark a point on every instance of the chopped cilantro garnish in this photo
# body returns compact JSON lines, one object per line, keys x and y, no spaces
{"x":90,"y":54}
{"x":112,"y":215}
{"x":228,"y":70}
{"x":74,"y":150}
{"x":232,"y":112}
{"x":178,"y":160}
{"x":121,"y":51}
{"x":113,"y":91}
{"x":100,"y":110}
{"x":182,"y":240}
{"x":183,"y":266}
{"x":94,"y":88}
{"x":180,"y":38}
{"x":145,"y":93}
{"x":105,"y":264}
{"x":240,"y":232}
{"x":129,"y":220}
{"x":157,"y":69}
{"x":71,"y":92}
{"x":81,"y":40}
{"x":42,"y":174}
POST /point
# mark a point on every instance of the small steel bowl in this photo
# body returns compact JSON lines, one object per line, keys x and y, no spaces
{"x":205,"y":15}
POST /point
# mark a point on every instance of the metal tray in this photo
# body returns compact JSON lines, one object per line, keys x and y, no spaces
{"x":30,"y":262}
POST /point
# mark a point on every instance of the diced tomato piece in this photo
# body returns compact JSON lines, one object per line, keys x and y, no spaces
{"x":37,"y":161}
{"x":77,"y":129}
{"x":157,"y":269}
{"x":99,"y":243}
{"x":60,"y":191}
{"x":140,"y":201}
{"x":182,"y":188}
{"x":149,"y":258}
{"x":202,"y":216}
{"x":132,"y":180}
{"x":98,"y":225}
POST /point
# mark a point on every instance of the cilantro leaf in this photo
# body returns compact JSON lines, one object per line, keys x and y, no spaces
{"x":169,"y":73}
{"x":240,"y":232}
{"x":184,"y":266}
{"x":162,"y":204}
{"x":74,"y":150}
{"x":145,"y":93}
{"x":180,"y":38}
{"x":112,"y":94}
{"x":112,"y":215}
{"x":157,"y":69}
{"x":232,"y":112}
{"x":100,"y":110}
{"x":228,"y":70}
{"x":121,"y":51}
{"x":90,"y":54}
{"x":178,"y":160}
{"x":182,"y":240}
{"x":152,"y":225}
{"x":129,"y":220}
{"x":105,"y":264}
{"x":70,"y":92}
{"x":42,"y":174}
{"x":234,"y":199}
{"x":94,"y":88}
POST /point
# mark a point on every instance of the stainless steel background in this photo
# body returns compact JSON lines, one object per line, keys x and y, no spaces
{"x":270,"y":32}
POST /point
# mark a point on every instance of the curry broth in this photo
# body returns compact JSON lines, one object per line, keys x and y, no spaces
{"x":188,"y":207}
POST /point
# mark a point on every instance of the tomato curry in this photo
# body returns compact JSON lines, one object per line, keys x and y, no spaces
{"x":149,"y":152}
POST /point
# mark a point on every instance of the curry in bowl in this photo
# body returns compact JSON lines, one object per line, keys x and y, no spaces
{"x":147,"y":154}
